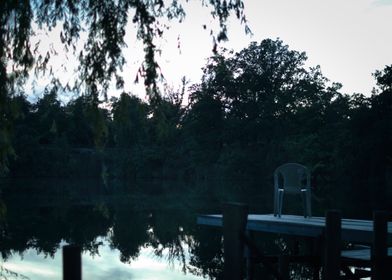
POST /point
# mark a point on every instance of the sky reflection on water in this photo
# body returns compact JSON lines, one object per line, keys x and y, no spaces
{"x":106,"y":265}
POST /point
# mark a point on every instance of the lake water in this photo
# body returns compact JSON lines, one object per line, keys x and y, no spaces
{"x":127,"y":230}
{"x":139,"y":230}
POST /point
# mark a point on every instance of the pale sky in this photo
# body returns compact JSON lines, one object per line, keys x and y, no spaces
{"x":349,"y":39}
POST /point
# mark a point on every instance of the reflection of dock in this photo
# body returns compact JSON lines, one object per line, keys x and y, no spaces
{"x":328,"y":231}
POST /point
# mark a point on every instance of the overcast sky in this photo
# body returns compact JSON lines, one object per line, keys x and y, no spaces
{"x":349,"y":39}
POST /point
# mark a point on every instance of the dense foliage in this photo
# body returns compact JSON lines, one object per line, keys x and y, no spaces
{"x":93,"y":32}
{"x":253,"y":111}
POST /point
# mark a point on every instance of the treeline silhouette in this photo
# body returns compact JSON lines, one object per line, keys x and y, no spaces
{"x":252,"y":111}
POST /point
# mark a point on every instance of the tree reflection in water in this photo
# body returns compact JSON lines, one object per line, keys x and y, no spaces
{"x":135,"y":219}
{"x":132,"y":219}
{"x":165,"y":224}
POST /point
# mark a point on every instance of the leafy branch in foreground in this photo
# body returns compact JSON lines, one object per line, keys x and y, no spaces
{"x":101,"y":57}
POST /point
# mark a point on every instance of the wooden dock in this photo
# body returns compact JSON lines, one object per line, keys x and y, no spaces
{"x":358,"y":231}
{"x":329,"y":230}
{"x":361,"y":254}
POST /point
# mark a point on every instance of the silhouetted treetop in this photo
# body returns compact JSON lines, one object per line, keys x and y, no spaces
{"x":384,"y":78}
{"x":266,"y":79}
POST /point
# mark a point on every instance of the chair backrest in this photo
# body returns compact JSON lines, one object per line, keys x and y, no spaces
{"x":292,"y":177}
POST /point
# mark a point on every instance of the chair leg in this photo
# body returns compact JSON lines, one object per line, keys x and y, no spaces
{"x":280,"y":203}
{"x":304,"y":203}
{"x":276,"y":199}
{"x":309,"y":204}
{"x":306,"y":200}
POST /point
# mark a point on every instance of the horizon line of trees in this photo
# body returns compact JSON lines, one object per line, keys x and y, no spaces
{"x":252,"y":111}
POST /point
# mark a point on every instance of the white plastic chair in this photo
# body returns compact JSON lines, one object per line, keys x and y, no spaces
{"x":292,"y":178}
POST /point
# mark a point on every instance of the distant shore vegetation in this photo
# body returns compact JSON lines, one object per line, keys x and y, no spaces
{"x":252,"y":111}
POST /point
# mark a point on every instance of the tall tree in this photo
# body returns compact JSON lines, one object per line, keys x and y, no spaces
{"x":269,"y":99}
{"x":129,"y":121}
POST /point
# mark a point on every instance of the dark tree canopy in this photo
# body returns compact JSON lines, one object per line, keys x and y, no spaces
{"x":101,"y":57}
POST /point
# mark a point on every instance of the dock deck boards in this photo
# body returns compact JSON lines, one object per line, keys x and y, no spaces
{"x":362,"y":254}
{"x":352,"y":230}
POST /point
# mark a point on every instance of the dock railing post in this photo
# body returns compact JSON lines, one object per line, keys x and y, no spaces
{"x":332,"y":245}
{"x":380,"y":243}
{"x":235,"y":217}
{"x":72,"y":262}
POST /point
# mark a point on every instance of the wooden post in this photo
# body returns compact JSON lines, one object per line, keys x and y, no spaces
{"x":235,"y":217}
{"x":316,"y":250}
{"x":379,"y":250}
{"x":250,"y":265}
{"x":283,"y":264}
{"x":72,"y":263}
{"x":332,"y":245}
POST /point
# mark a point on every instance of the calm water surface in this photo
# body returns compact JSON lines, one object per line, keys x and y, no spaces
{"x":127,"y":230}
{"x":144,"y":230}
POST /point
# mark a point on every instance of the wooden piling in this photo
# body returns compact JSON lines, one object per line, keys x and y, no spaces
{"x":235,"y":216}
{"x":283,"y":264}
{"x":72,"y":263}
{"x":332,"y":245}
{"x":250,"y":265}
{"x":379,"y":250}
